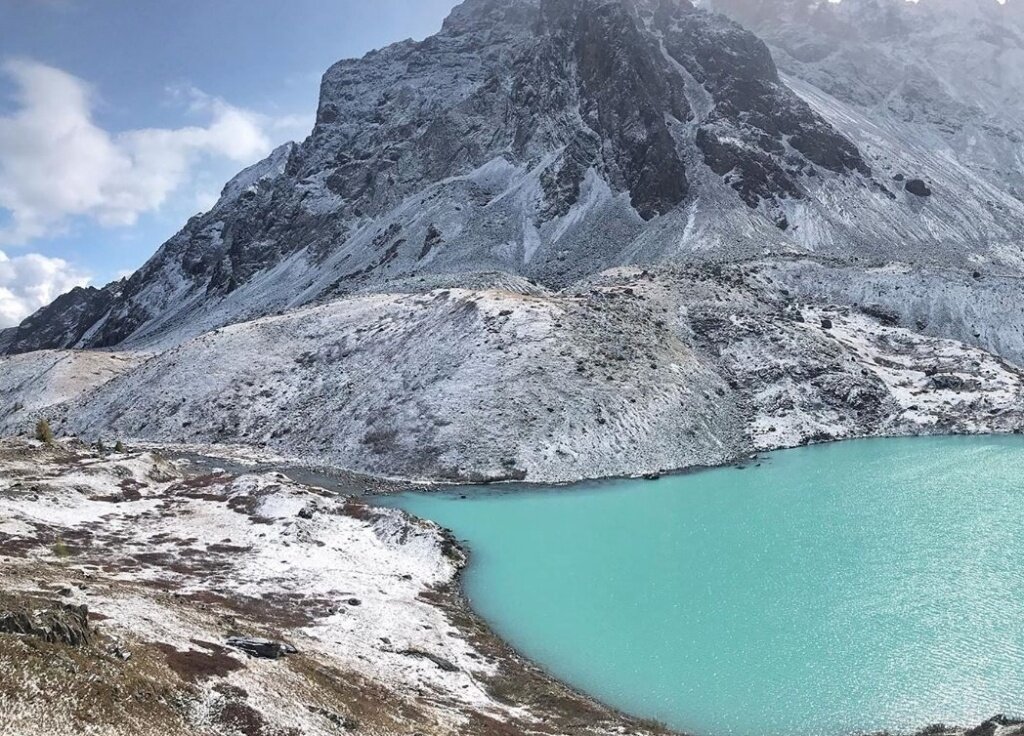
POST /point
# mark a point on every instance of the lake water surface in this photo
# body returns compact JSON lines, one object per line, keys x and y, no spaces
{"x":859,"y":586}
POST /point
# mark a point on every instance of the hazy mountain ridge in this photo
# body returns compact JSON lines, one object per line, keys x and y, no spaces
{"x":948,"y":70}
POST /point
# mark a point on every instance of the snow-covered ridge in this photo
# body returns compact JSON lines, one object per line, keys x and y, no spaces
{"x":931,"y":90}
{"x":248,"y":180}
{"x":634,"y":372}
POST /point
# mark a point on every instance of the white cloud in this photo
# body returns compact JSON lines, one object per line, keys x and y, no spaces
{"x":32,"y":281}
{"x":57,"y":163}
{"x":205,"y":200}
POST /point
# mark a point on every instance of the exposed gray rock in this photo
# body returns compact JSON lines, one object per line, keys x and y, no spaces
{"x":442,"y":664}
{"x":918,"y":188}
{"x":51,"y":621}
{"x":261,"y":648}
{"x":998,"y":725}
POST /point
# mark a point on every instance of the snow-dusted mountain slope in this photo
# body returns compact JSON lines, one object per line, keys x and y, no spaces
{"x":31,"y":383}
{"x":631,"y":372}
{"x":932,"y":90}
{"x":553,"y":139}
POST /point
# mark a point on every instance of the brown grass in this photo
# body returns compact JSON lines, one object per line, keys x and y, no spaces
{"x":194,"y":666}
{"x":61,"y":689}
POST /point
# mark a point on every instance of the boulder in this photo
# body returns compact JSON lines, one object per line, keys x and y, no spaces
{"x":918,"y":188}
{"x":261,"y":648}
{"x":947,"y":382}
{"x":885,"y":316}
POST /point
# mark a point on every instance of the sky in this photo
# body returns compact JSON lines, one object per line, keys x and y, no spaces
{"x":120,"y":119}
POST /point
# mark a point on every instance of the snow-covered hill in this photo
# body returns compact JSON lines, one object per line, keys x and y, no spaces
{"x":632,"y":372}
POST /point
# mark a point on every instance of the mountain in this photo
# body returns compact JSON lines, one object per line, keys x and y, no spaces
{"x":630,"y":372}
{"x":938,"y":82}
{"x":565,"y":239}
{"x":550,"y":139}
{"x":559,"y":240}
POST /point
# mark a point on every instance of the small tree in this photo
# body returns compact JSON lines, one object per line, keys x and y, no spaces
{"x":119,"y":448}
{"x":43,"y":432}
{"x":100,"y":447}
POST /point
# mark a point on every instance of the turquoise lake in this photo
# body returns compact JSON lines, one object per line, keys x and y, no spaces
{"x":843,"y":588}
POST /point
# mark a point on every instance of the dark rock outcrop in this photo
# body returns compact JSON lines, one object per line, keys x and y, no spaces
{"x":63,"y":323}
{"x":51,"y":621}
{"x":918,"y":188}
{"x":998,"y":724}
{"x":949,"y":382}
{"x":261,"y":648}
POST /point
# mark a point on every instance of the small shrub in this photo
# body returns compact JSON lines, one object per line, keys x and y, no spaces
{"x":119,"y":448}
{"x":60,"y":549}
{"x":100,"y":447}
{"x":43,"y":432}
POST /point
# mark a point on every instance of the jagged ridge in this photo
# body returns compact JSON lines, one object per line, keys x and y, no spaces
{"x":549,"y":138}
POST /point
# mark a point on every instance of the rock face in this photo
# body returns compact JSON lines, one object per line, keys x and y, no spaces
{"x":931,"y":93}
{"x":53,"y":622}
{"x":546,"y":138}
{"x":64,"y":322}
{"x":261,"y":648}
{"x":918,"y":188}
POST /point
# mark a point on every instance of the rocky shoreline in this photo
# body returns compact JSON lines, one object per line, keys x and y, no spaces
{"x":173,"y":579}
{"x":136,"y":591}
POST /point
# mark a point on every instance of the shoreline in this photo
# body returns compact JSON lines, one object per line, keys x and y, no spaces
{"x":459,"y":602}
{"x":455,"y":602}
{"x":355,"y":482}
{"x":173,"y":564}
{"x":515,"y":683}
{"x":997,"y":725}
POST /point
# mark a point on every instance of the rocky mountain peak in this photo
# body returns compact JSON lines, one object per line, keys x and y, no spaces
{"x":476,"y":15}
{"x":545,"y":139}
{"x":605,"y":80}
